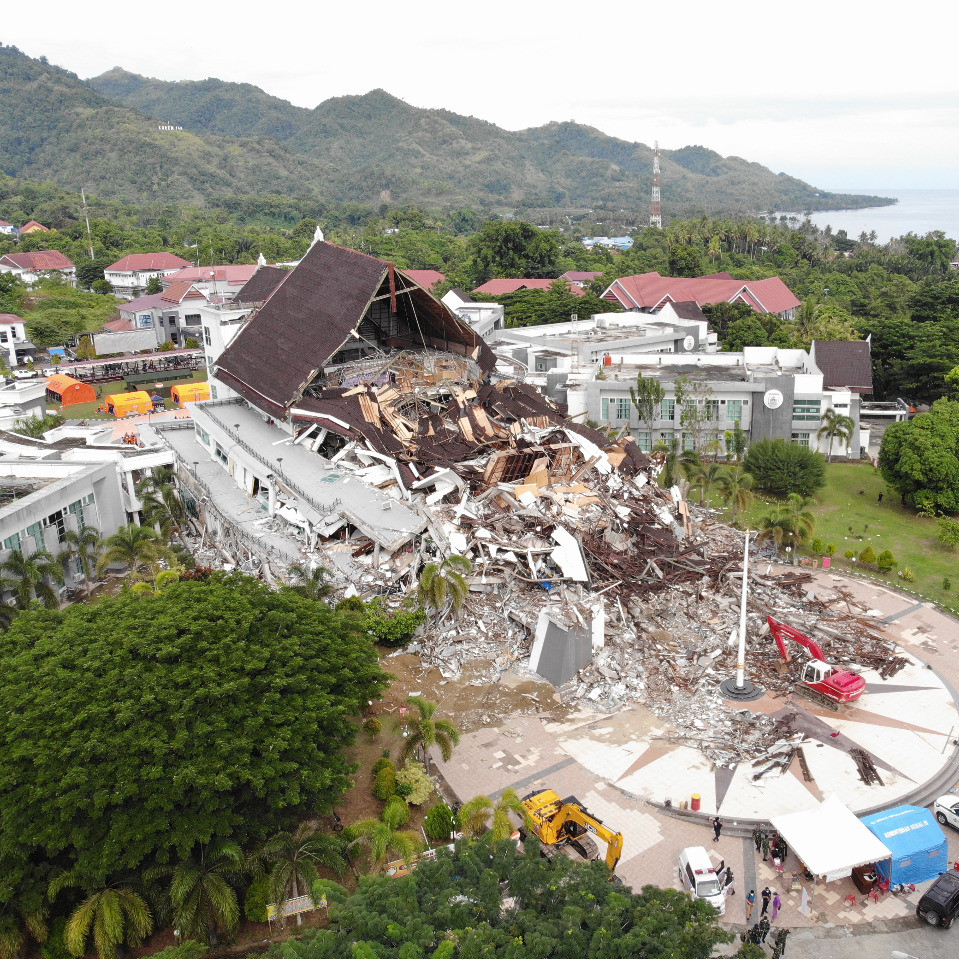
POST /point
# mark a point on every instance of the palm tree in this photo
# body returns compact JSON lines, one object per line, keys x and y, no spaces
{"x":385,"y":836}
{"x":790,"y":524}
{"x":445,"y":583}
{"x":311,"y":582}
{"x":293,"y":860}
{"x":423,"y":731}
{"x":16,"y":927}
{"x":31,"y":577}
{"x":705,"y":476}
{"x":201,"y":891}
{"x":85,"y":544}
{"x":670,"y":456}
{"x":474,"y":816}
{"x":162,"y":507}
{"x":836,"y":426}
{"x":137,"y":547}
{"x":736,"y":489}
{"x":115,"y":914}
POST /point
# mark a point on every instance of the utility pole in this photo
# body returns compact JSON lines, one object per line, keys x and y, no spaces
{"x":87,"y":218}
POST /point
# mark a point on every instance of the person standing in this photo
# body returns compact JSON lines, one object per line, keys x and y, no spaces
{"x":717,"y":827}
{"x":758,"y":836}
{"x":782,"y":849}
{"x":750,"y":902}
{"x":763,"y":928}
{"x":764,"y":845}
{"x":728,"y":882}
{"x":767,"y":895}
{"x":781,"y":941}
{"x":777,"y":905}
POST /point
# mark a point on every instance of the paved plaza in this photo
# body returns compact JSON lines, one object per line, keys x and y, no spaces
{"x":623,"y":767}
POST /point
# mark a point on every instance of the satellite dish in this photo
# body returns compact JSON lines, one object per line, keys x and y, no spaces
{"x":688,"y":343}
{"x":773,"y":399}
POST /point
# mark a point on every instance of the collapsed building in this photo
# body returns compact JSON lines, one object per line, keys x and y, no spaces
{"x":361,"y":425}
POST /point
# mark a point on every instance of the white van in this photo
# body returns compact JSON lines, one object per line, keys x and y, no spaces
{"x":699,"y":877}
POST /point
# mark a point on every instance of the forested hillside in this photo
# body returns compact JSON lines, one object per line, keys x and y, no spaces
{"x":237,"y":140}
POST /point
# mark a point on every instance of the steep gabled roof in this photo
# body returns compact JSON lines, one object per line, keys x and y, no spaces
{"x":39,"y":260}
{"x":316,"y":310}
{"x":259,"y":287}
{"x":580,"y":276}
{"x":235,"y":274}
{"x":844,"y":363}
{"x":139,"y":262}
{"x":500,"y":287}
{"x":689,"y":310}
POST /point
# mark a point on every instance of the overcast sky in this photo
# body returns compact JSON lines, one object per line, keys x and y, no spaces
{"x":840,"y":93}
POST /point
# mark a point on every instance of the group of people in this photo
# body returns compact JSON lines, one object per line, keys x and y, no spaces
{"x":760,"y":930}
{"x":770,"y":844}
{"x":769,"y":898}
{"x":131,"y":438}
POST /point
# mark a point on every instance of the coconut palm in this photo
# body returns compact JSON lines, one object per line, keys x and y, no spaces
{"x":31,"y":576}
{"x":85,"y":544}
{"x":292,"y":861}
{"x":669,"y":455}
{"x":201,"y":892}
{"x":385,"y":837}
{"x":137,"y":547}
{"x":113,"y":915}
{"x":423,"y":731}
{"x":481,"y":814}
{"x":736,"y":489}
{"x":443,"y":584}
{"x":311,"y":582}
{"x":836,"y":426}
{"x":163,"y":509}
{"x":705,"y":476}
{"x":15,"y":928}
{"x":790,"y":524}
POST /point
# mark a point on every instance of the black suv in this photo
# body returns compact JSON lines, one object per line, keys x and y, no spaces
{"x":940,"y":904}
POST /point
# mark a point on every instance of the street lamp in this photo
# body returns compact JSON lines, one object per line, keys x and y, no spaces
{"x":740,"y":688}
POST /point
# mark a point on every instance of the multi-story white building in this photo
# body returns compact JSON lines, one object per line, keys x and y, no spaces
{"x":30,"y":267}
{"x":15,"y":347}
{"x":130,"y":276}
{"x":766,"y":391}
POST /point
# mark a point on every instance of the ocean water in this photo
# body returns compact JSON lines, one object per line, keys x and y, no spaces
{"x":918,"y":211}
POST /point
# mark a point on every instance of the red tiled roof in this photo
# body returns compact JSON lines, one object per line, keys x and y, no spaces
{"x":579,"y":276}
{"x":33,"y":225}
{"x":234,"y":274}
{"x":179,"y":291}
{"x":154,"y":301}
{"x":118,"y":326}
{"x":426,"y":278}
{"x":138,"y":262}
{"x":7,"y":318}
{"x":39,"y":260}
{"x":649,"y":291}
{"x":501,"y":287}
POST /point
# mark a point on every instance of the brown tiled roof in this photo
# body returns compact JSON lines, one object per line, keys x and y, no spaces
{"x":258,"y":287}
{"x":844,"y":363}
{"x":688,"y":310}
{"x":313,"y":313}
{"x":135,"y":262}
{"x":39,"y":260}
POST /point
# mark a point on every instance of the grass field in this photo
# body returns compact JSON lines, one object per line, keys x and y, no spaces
{"x":848,"y":514}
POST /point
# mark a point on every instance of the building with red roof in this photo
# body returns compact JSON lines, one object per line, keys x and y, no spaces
{"x":426,"y":278}
{"x":648,"y":292}
{"x":33,"y":227}
{"x":580,"y":277}
{"x":501,"y":287}
{"x":174,"y":314}
{"x":130,"y":276}
{"x":29,"y":267}
{"x":214,"y":281}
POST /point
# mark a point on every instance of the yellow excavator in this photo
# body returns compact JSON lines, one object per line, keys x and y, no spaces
{"x":563,"y":825}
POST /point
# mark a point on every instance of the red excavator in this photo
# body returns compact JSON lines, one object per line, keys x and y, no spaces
{"x":820,"y":682}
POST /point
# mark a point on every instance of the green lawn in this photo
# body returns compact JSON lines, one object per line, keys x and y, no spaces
{"x":849,"y":515}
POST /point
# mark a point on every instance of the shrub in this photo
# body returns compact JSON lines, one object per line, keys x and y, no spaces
{"x":396,"y":806}
{"x":384,"y":786}
{"x":830,"y":549}
{"x":885,"y":561}
{"x":439,"y":823}
{"x":186,"y":950}
{"x":908,"y":575}
{"x":372,"y":727}
{"x":55,"y":947}
{"x":414,"y":775}
{"x":867,"y":556}
{"x":257,"y":897}
{"x":947,"y":584}
{"x":394,"y":629}
{"x":818,"y":547}
{"x":384,"y":762}
{"x":850,"y":554}
{"x":781,"y":468}
{"x":948,"y":532}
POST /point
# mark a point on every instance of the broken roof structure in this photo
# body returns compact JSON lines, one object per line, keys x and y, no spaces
{"x":338,"y":308}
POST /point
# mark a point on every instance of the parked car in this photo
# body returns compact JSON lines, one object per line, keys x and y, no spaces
{"x":25,"y":374}
{"x":946,"y":809}
{"x":940,"y":903}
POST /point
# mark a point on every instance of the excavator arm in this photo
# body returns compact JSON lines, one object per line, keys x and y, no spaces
{"x":781,"y":632}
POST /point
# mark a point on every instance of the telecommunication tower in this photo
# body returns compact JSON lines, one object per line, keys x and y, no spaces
{"x":656,"y":213}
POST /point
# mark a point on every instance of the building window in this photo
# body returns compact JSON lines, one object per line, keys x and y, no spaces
{"x":712,"y":410}
{"x":807,"y":410}
{"x":801,"y":438}
{"x":734,"y":411}
{"x":145,"y":321}
{"x":616,"y":408}
{"x":12,"y":542}
{"x":666,"y":437}
{"x":643,"y":441}
{"x":192,"y":319}
{"x":206,"y":336}
{"x":220,"y":454}
{"x":667,"y":410}
{"x":202,"y":435}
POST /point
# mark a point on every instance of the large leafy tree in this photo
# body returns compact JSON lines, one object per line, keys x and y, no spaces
{"x":485,"y":900}
{"x":136,"y":730}
{"x":920,"y":458}
{"x":513,"y":249}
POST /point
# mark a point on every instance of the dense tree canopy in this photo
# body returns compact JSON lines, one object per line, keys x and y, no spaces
{"x":136,"y":729}
{"x":780,"y":468}
{"x":484,"y":902}
{"x":920,"y":458}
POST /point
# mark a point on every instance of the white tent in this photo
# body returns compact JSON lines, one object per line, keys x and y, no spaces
{"x":830,"y":840}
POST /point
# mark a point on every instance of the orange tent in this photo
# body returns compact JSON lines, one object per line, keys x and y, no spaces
{"x":190,"y":393}
{"x":127,"y":404}
{"x":66,"y":391}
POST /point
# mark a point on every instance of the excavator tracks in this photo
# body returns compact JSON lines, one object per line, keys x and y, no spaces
{"x":817,"y":697}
